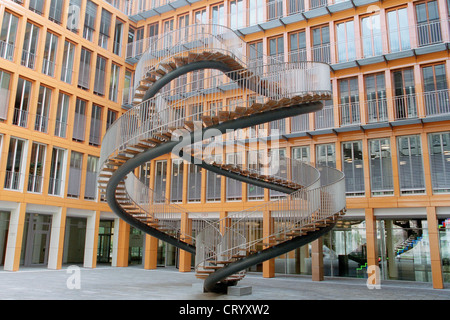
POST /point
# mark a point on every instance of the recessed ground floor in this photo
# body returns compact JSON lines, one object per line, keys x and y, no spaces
{"x":407,"y":244}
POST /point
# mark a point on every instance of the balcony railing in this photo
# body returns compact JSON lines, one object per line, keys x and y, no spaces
{"x":13,"y":180}
{"x":376,"y":110}
{"x":28,"y":59}
{"x":6,"y":51}
{"x":35,"y":183}
{"x":429,"y":33}
{"x":405,"y":107}
{"x":20,"y":118}
{"x":437,"y":102}
{"x":41,"y":123}
{"x":324,"y":119}
{"x":349,"y":114}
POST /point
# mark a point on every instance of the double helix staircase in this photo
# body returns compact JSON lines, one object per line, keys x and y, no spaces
{"x":170,"y":121}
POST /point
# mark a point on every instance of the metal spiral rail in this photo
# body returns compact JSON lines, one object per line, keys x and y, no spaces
{"x":161,"y":123}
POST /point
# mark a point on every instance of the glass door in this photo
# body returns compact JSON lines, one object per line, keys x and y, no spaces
{"x":105,"y":240}
{"x":4,"y":227}
{"x":36,"y":239}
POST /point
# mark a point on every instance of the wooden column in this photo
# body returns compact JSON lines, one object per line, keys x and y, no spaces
{"x":371,"y":238}
{"x":317,"y":260}
{"x":186,"y":230}
{"x":435,"y":254}
{"x":269,"y":265}
{"x":151,"y":252}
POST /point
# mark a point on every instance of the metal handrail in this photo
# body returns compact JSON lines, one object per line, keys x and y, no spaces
{"x":320,"y":192}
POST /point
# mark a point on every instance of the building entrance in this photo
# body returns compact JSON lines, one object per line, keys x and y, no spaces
{"x":4,"y":227}
{"x":36,"y":239}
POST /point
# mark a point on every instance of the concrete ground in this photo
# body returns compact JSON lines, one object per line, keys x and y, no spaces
{"x":135,"y":283}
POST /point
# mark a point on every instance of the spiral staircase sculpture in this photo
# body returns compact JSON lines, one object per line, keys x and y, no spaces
{"x":161,"y":123}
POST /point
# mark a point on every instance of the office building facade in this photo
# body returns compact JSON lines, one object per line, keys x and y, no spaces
{"x":67,"y":74}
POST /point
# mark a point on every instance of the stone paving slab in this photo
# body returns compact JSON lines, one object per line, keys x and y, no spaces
{"x":135,"y":283}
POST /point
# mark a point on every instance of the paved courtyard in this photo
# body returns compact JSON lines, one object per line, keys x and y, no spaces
{"x":135,"y":283}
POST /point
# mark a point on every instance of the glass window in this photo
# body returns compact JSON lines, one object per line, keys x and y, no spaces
{"x":8,"y":36}
{"x":30,"y":46}
{"x":297,"y":46}
{"x":89,"y":20}
{"x":428,"y":24}
{"x":194,"y":183}
{"x":128,"y":88}
{"x":37,"y":162}
{"x":410,"y":162}
{"x":301,"y":153}
{"x":214,"y":182}
{"x":404,"y":94}
{"x":405,"y":250}
{"x":96,"y":125}
{"x":85,"y":69}
{"x":381,"y":180}
{"x":5,"y":80}
{"x":55,"y":11}
{"x":234,"y":187}
{"x":296,"y":6}
{"x":114,"y":82}
{"x":326,"y":155}
{"x":22,"y":103}
{"x":67,"y":63}
{"x":100,"y":74}
{"x":376,"y":104}
{"x":57,"y":172}
{"x":218,"y":14}
{"x":353,"y":167}
{"x":256,"y":54}
{"x":61,"y":115}
{"x":48,"y":64}
{"x":160,"y":181}
{"x":79,"y":123}
{"x":435,"y":90}
{"x":371,"y":36}
{"x":274,"y":9}
{"x":73,"y":15}
{"x":76,"y":163}
{"x":118,"y":30}
{"x":105,"y":26}
{"x":15,"y":164}
{"x":255,"y":164}
{"x":439,"y":145}
{"x":176,"y":187}
{"x":256,"y":12}
{"x":398,"y":30}
{"x":349,"y":110}
{"x":110,"y":118}
{"x":321,"y":44}
{"x":237,"y":12}
{"x":90,"y":187}
{"x":43,"y":109}
{"x":37,"y":6}
{"x":278,"y":169}
{"x":345,"y":37}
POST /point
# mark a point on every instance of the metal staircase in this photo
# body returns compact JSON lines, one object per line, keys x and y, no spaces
{"x":165,"y":121}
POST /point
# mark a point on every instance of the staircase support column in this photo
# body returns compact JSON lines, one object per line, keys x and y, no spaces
{"x":186,"y":230}
{"x":151,"y":252}
{"x":268,"y":265}
{"x":317,"y":260}
{"x":435,"y":254}
{"x":371,"y":240}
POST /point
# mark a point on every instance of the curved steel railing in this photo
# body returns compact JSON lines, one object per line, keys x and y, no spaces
{"x":257,"y":94}
{"x":159,"y":113}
